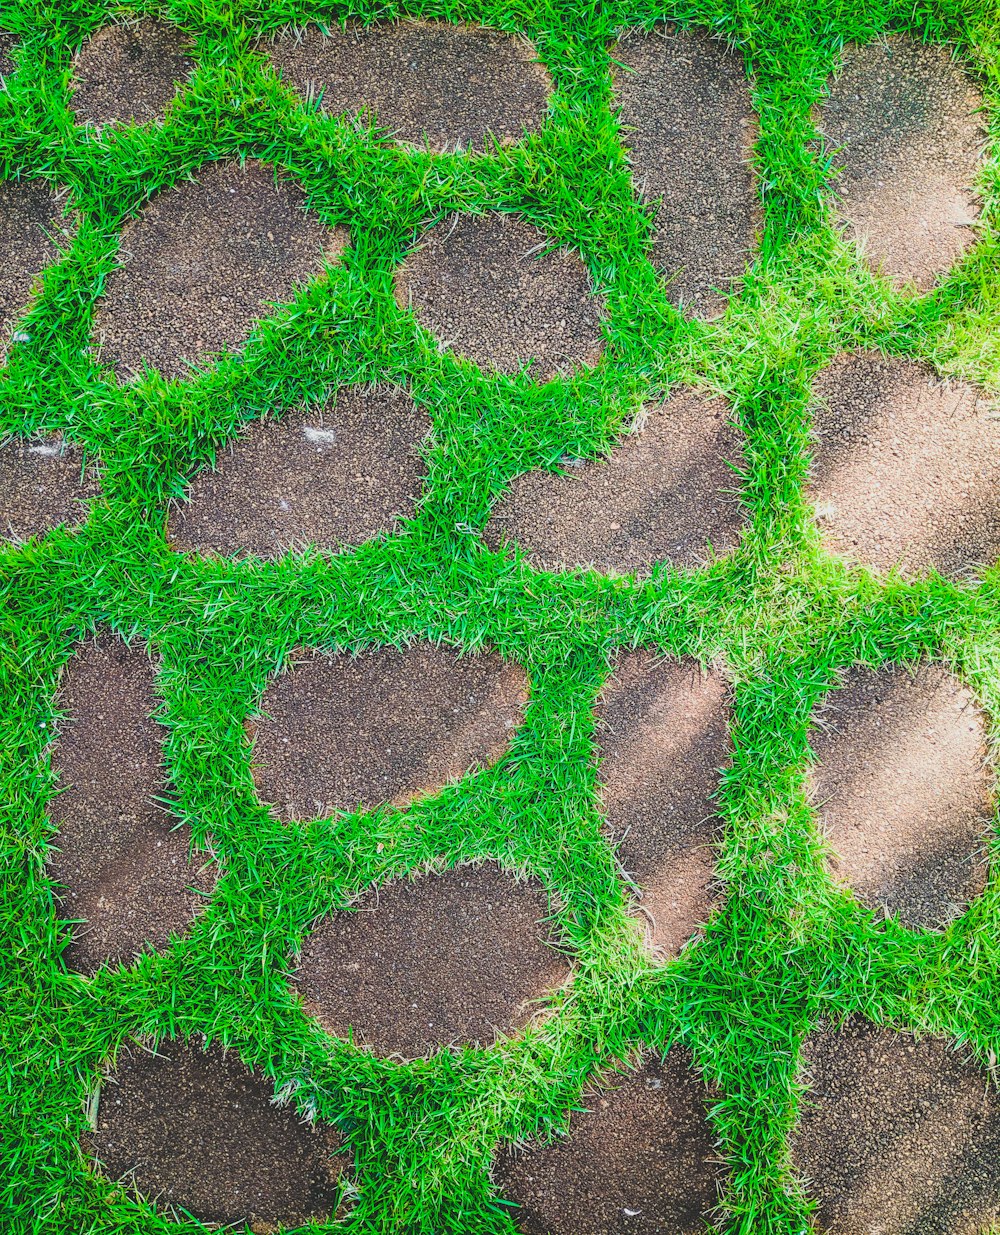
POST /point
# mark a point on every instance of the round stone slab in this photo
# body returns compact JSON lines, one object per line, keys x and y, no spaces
{"x":30,"y":222}
{"x":492,"y":288}
{"x":903,"y":790}
{"x":639,"y":1158}
{"x":123,"y":869}
{"x":906,"y":469}
{"x":418,"y":964}
{"x":903,"y":121}
{"x":331,"y":478}
{"x":663,"y":738}
{"x":666,"y":493}
{"x":429,"y":83}
{"x":197,"y":1130}
{"x":689,"y":129}
{"x":43,"y":483}
{"x":898,"y":1135}
{"x":338,"y":732}
{"x":129,"y":73}
{"x":204,"y":262}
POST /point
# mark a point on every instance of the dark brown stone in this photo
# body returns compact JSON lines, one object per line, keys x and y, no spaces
{"x":30,"y":223}
{"x":128,"y":73}
{"x":121,"y":868}
{"x":43,"y":483}
{"x":458,"y":958}
{"x":429,"y":83}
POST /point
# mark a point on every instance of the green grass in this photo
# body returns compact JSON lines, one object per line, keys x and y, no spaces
{"x":789,"y":946}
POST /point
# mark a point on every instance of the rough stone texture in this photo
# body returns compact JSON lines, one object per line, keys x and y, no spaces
{"x":43,"y":482}
{"x":197,"y":1130}
{"x":129,"y":73}
{"x":329,"y":478}
{"x":667,"y":493}
{"x":907,"y":467}
{"x":455,"y":958}
{"x":663,"y":736}
{"x":430,"y":84}
{"x":901,"y":122}
{"x":7,"y":44}
{"x":120,"y":866}
{"x":639,"y":1160}
{"x":339,"y":732}
{"x":898,"y":1136}
{"x":202,"y":264}
{"x":486,"y":287}
{"x":689,"y":129}
{"x":30,"y":224}
{"x":904,"y":793}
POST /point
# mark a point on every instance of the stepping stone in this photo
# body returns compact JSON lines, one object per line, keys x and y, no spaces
{"x":458,"y":958}
{"x":7,"y":44}
{"x":204,"y":262}
{"x":339,"y":732}
{"x":335,"y":477}
{"x":899,"y":1135}
{"x":121,"y":867}
{"x":43,"y":483}
{"x":484,"y":286}
{"x":667,"y":493}
{"x":903,"y":122}
{"x":689,"y":130}
{"x":906,"y":470}
{"x":129,"y":73}
{"x":903,"y":789}
{"x":663,"y":736}
{"x":30,"y":223}
{"x":197,"y":1130}
{"x":640,"y":1158}
{"x":431,"y":84}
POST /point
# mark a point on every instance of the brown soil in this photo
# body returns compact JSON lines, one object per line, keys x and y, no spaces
{"x":665,"y":494}
{"x":904,"y":792}
{"x":122,"y":868}
{"x":7,"y":44}
{"x":486,"y":288}
{"x":42,"y":484}
{"x":330,"y":478}
{"x":899,"y":1136}
{"x":663,"y":736}
{"x":30,"y":224}
{"x":689,"y":130}
{"x":901,"y":121}
{"x":203,"y":262}
{"x":128,"y":74}
{"x":418,"y":964}
{"x":640,"y":1160}
{"x":197,"y":1130}
{"x":339,"y":732}
{"x":907,"y":467}
{"x":430,"y":84}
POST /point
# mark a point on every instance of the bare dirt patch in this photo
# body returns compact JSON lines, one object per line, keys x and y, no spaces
{"x":43,"y":483}
{"x":639,"y":1159}
{"x":689,"y":129}
{"x":7,"y":44}
{"x":129,"y":73}
{"x":198,"y":1130}
{"x":460,"y":958}
{"x":202,"y":264}
{"x":339,"y":732}
{"x":906,"y":469}
{"x":429,"y":84}
{"x":494,"y":289}
{"x":30,"y":224}
{"x":663,"y":737}
{"x":901,"y":121}
{"x":899,"y":1135}
{"x":666,"y":493}
{"x":120,"y":867}
{"x":903,"y":790}
{"x":330,"y":478}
